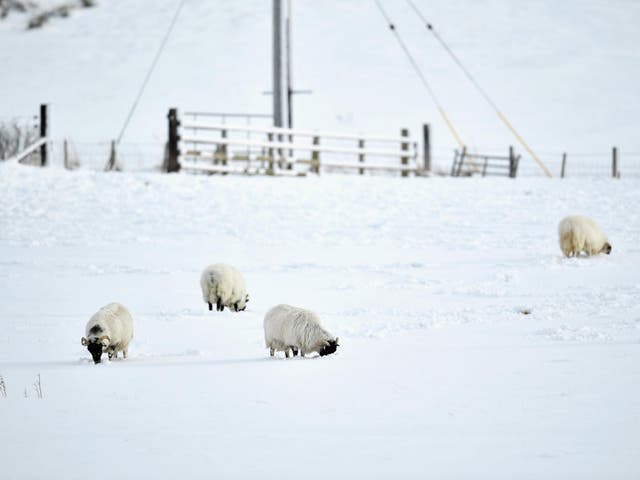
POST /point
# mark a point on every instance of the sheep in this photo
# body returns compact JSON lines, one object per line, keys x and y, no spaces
{"x":111,"y":329}
{"x":287,"y":327}
{"x":582,"y":234}
{"x":223,"y":286}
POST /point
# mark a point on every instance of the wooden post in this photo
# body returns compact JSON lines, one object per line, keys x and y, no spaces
{"x":223,"y":148}
{"x":173,"y":165}
{"x":404,"y":146}
{"x":271,"y":154}
{"x":111,"y":163}
{"x":462,"y":155}
{"x":512,"y":163}
{"x":277,"y":63}
{"x":614,"y":162}
{"x":65,"y":152}
{"x":426,"y":147}
{"x":361,"y":155}
{"x":43,"y":134}
{"x":315,"y":156}
{"x":564,"y":164}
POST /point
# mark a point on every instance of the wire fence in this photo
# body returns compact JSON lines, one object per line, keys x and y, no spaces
{"x":598,"y":164}
{"x":149,"y":156}
{"x":131,"y":156}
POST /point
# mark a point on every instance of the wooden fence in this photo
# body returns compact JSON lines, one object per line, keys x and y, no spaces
{"x":200,"y":146}
{"x":467,"y":164}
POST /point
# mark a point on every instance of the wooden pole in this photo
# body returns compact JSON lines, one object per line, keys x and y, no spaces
{"x":277,"y":63}
{"x":564,"y":164}
{"x":462,"y":155}
{"x":426,"y":147}
{"x":225,"y":155}
{"x":512,"y":162}
{"x":361,"y":155}
{"x":65,"y":152}
{"x":614,"y":162}
{"x":173,"y":165}
{"x":43,"y":134}
{"x":404,"y":146}
{"x":315,"y":156}
{"x":111,"y":164}
{"x":270,"y":152}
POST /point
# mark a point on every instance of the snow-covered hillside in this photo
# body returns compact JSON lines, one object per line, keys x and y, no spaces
{"x":565,"y":74}
{"x":440,"y":372}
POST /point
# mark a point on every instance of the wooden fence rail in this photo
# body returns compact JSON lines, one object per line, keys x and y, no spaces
{"x":212,"y":147}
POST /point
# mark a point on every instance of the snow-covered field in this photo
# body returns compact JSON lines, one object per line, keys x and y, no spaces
{"x":439,"y":373}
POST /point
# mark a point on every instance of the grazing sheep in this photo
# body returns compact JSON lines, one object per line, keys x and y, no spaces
{"x":582,"y":234}
{"x":111,"y":329}
{"x":287,"y":327}
{"x":223,"y":286}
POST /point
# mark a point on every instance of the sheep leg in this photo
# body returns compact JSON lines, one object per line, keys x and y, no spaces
{"x":210,"y":306}
{"x":286,"y":353}
{"x":272,"y":352}
{"x":219,"y":305}
{"x":295,"y":351}
{"x":235,"y":305}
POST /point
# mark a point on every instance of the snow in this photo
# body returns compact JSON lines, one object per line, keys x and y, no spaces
{"x":470,"y":347}
{"x":439,"y":373}
{"x":565,"y":75}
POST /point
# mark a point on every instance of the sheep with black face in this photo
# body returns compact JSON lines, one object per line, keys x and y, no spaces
{"x":578,"y":233}
{"x":296,"y":329}
{"x":109,"y":330}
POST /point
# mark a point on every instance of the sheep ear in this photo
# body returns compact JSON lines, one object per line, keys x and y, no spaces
{"x":84,"y":341}
{"x":337,"y":344}
{"x":105,"y":340}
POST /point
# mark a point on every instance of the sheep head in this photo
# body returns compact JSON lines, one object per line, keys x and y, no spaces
{"x":96,"y":346}
{"x":607,"y":248}
{"x":241,"y":306}
{"x":329,"y":347}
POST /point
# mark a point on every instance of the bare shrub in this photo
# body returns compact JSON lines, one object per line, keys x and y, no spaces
{"x":62,"y":10}
{"x":7,"y":6}
{"x":3,"y":387}
{"x":37,"y":386}
{"x":15,"y":137}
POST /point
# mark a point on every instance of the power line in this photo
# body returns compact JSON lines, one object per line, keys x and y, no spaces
{"x":150,"y":71}
{"x":486,"y":96}
{"x":418,"y":71}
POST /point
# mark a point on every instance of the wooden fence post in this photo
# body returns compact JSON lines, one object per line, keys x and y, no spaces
{"x":404,"y":146}
{"x":462,"y":155}
{"x":172,"y":161}
{"x":65,"y":153}
{"x":426,"y":147}
{"x":512,"y":163}
{"x":43,"y":134}
{"x":315,"y":156}
{"x":223,"y":148}
{"x":564,"y":164}
{"x":614,"y":162}
{"x":111,"y":163}
{"x":361,"y":155}
{"x":270,"y":152}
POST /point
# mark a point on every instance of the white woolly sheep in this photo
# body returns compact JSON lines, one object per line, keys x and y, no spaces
{"x":287,"y":327}
{"x":223,"y":286}
{"x":582,"y":234}
{"x":111,"y":329}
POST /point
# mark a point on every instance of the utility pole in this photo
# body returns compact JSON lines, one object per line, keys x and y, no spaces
{"x":277,"y":63}
{"x":289,"y":82}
